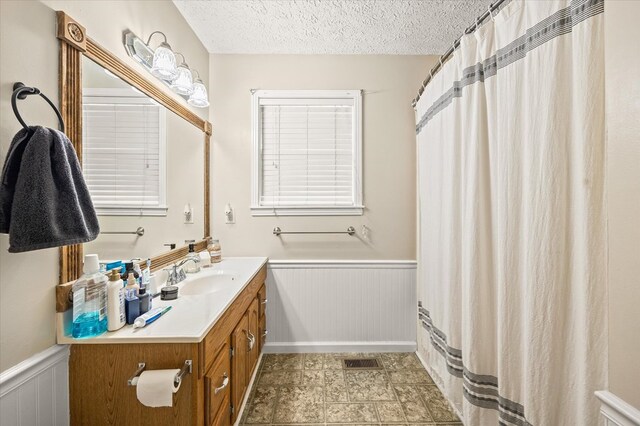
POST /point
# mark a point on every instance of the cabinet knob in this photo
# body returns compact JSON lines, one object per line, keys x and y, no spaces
{"x":225,"y":383}
{"x":265,"y":333}
{"x":264,"y":301}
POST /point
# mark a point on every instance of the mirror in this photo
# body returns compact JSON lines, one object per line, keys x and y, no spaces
{"x":144,"y":166}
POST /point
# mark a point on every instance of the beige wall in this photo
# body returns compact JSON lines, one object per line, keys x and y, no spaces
{"x":389,"y":83}
{"x":622,"y":74}
{"x":29,"y":53}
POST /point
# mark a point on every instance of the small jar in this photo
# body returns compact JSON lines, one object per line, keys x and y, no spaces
{"x":215,"y":251}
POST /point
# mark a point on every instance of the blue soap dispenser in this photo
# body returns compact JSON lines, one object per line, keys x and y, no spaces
{"x":90,"y":300}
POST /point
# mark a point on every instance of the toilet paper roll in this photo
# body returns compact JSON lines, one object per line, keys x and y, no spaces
{"x":205,"y":258}
{"x":155,"y":388}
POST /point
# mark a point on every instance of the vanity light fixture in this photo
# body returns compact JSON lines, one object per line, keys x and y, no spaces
{"x":199,"y":97}
{"x":183,"y":83}
{"x":161,"y":63}
{"x":164,"y":60}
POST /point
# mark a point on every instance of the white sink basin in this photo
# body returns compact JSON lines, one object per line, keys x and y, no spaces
{"x":206,"y":282}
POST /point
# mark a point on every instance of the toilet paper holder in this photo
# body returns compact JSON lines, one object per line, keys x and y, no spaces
{"x":186,"y":368}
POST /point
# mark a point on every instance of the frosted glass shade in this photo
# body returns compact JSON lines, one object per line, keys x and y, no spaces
{"x":199,"y":97}
{"x":183,"y":84}
{"x":164,"y":63}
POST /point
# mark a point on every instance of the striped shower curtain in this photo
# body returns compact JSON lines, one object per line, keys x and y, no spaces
{"x":512,"y":281}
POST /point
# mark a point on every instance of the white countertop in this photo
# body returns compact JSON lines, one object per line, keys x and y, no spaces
{"x":191,"y":316}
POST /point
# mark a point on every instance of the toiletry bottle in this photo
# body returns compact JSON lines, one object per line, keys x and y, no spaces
{"x":132,"y":283}
{"x":128,"y":269}
{"x":131,"y":305}
{"x":146,"y":273}
{"x":145,"y":300}
{"x":138,"y":270}
{"x":215,"y":251}
{"x":194,"y":265}
{"x":90,"y":300}
{"x":115,"y":302}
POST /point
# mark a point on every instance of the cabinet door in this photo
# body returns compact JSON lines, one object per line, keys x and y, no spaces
{"x":262,"y":299}
{"x":254,"y":334}
{"x":224,"y":417}
{"x":217,"y":385}
{"x":239,"y":343}
{"x":262,"y":330}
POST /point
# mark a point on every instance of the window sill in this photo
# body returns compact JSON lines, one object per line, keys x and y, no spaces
{"x":306,"y":211}
{"x":131,"y":211}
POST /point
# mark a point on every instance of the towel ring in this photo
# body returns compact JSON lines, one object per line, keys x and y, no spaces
{"x":20,"y":91}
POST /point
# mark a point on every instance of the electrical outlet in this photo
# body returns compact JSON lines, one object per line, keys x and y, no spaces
{"x":229,"y":216}
{"x":188,"y":214}
{"x":366,"y":233}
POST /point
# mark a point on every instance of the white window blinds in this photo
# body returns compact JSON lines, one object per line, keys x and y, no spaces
{"x":309,"y":155}
{"x":124,"y":154}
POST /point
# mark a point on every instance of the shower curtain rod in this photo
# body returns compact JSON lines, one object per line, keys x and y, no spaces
{"x":492,"y":7}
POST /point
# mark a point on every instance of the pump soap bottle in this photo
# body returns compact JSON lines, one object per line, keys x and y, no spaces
{"x":115,"y":302}
{"x":90,"y":300}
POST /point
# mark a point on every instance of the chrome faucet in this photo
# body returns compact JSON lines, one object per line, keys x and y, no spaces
{"x":176,"y":273}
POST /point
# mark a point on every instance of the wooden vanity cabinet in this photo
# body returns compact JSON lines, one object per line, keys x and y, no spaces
{"x":240,"y":352}
{"x":262,"y":317}
{"x":218,"y":388}
{"x":98,"y":373}
{"x":254,"y":333}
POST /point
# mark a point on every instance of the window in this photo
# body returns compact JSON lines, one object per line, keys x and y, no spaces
{"x":124,"y":152}
{"x":307,"y":153}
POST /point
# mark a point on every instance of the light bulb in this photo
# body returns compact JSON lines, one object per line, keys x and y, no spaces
{"x":199,"y":97}
{"x":164,"y":63}
{"x":183,"y":83}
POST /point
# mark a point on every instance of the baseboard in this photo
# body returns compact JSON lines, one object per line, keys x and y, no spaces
{"x":324,"y":347}
{"x":616,"y":411}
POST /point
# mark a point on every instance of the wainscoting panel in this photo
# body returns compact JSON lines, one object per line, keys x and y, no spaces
{"x":36,"y":391}
{"x":617,"y":412}
{"x":341,"y":306}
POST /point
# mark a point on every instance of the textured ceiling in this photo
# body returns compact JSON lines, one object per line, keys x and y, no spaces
{"x":416,"y":27}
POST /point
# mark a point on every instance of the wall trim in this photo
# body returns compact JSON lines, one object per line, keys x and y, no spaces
{"x":315,"y":347}
{"x":19,"y":374}
{"x":616,"y":410}
{"x":343,"y":264}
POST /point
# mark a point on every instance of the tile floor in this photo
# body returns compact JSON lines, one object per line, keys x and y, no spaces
{"x":316,"y":389}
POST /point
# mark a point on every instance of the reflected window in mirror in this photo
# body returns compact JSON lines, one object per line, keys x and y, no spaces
{"x":124,"y":147}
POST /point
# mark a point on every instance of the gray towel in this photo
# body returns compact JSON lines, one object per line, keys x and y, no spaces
{"x":44,"y":200}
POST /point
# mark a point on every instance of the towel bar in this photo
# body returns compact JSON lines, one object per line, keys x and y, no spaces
{"x":186,"y":368}
{"x":139,"y":232}
{"x":277,"y":231}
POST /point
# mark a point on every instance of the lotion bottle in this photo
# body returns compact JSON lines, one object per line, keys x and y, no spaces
{"x":132,"y":283}
{"x":115,"y":302}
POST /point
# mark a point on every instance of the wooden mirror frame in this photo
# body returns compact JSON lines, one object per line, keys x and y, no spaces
{"x":74,"y":44}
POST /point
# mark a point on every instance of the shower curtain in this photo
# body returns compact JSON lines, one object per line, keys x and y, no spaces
{"x":512,"y":278}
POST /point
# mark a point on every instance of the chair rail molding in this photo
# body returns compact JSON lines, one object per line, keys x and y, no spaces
{"x":36,"y":391}
{"x":617,"y":412}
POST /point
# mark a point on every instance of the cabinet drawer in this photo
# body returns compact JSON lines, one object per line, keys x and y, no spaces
{"x":262,"y":299}
{"x":218,"y":383}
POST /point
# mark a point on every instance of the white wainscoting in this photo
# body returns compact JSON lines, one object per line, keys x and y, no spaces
{"x":341,"y":306}
{"x":617,"y":412}
{"x":36,"y":391}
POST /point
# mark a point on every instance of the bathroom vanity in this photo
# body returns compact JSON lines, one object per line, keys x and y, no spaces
{"x":218,"y":323}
